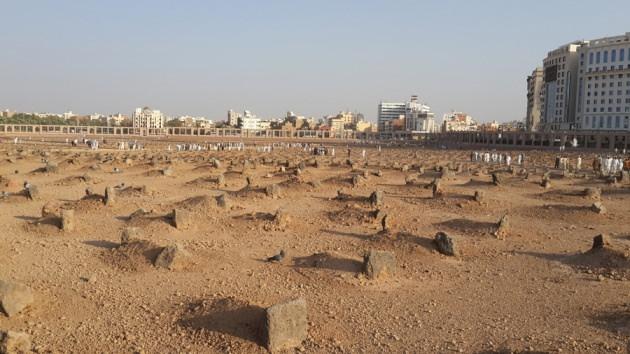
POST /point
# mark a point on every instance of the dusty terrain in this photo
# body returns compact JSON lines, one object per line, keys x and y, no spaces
{"x":538,"y":288}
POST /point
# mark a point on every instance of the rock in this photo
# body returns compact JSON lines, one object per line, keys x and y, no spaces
{"x":404,"y":168}
{"x":356,"y":180}
{"x":250,"y":181}
{"x":600,"y":241}
{"x":444,"y":244}
{"x":223,"y":201}
{"x":67,"y":220}
{"x":216,"y":163}
{"x":181,"y":218}
{"x":377,"y":264}
{"x":286,"y":325}
{"x":281,"y":218}
{"x":410,"y":180}
{"x":167,"y":172}
{"x":14,"y":297}
{"x":479,"y":197}
{"x":129,"y":234}
{"x":172,"y":257}
{"x":546,"y":183}
{"x":15,"y":342}
{"x":50,"y":209}
{"x":32,"y":192}
{"x":273,"y":190}
{"x":386,"y":224}
{"x":110,"y":196}
{"x":379,"y":173}
{"x":376,"y":198}
{"x":138,"y":213}
{"x":503,"y":227}
{"x":221,"y":179}
{"x":438,"y":192}
{"x":598,"y":207}
{"x":496,"y":179}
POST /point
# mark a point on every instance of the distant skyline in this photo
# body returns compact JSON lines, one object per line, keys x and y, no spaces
{"x":202,"y":58}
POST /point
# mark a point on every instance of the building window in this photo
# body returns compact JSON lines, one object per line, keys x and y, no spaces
{"x":601,"y":122}
{"x":586,"y":121}
{"x":590,"y":58}
{"x":622,"y":53}
{"x":598,"y":57}
{"x":609,"y":122}
{"x":605,"y":56}
{"x":613,"y":56}
{"x":617,"y":122}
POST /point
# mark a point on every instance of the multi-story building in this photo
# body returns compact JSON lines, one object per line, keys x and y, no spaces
{"x":249,"y":121}
{"x":414,"y":115}
{"x":586,"y":85}
{"x":604,"y":84}
{"x":458,"y":122}
{"x":365,"y":127}
{"x":7,"y":114}
{"x":419,"y":118}
{"x":233,"y":117}
{"x":147,"y":118}
{"x":388,"y":112}
{"x":534,"y":87}
{"x":559,"y":89}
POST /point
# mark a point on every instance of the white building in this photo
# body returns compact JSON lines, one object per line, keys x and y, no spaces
{"x":147,"y":118}
{"x":458,"y":122}
{"x":586,"y":85}
{"x":68,"y":115}
{"x":604,"y":84}
{"x":96,"y":116}
{"x":249,"y":121}
{"x":419,"y":118}
{"x":233,"y":117}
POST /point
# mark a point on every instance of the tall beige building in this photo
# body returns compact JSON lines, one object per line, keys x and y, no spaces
{"x":534,"y":88}
{"x":147,"y":118}
{"x":559,"y":88}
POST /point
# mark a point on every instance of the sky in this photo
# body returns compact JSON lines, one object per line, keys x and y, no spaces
{"x":315,"y":58}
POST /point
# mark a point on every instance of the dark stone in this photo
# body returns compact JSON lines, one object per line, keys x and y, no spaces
{"x":444,"y":244}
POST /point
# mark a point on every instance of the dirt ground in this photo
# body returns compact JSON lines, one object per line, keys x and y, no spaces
{"x":540,"y":288}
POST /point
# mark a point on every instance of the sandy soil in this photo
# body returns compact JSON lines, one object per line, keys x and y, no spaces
{"x":538,"y":289}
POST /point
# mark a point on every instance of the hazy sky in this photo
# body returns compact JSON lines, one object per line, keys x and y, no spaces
{"x":311,"y":57}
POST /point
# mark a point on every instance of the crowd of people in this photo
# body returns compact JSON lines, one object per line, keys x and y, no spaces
{"x":496,"y":158}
